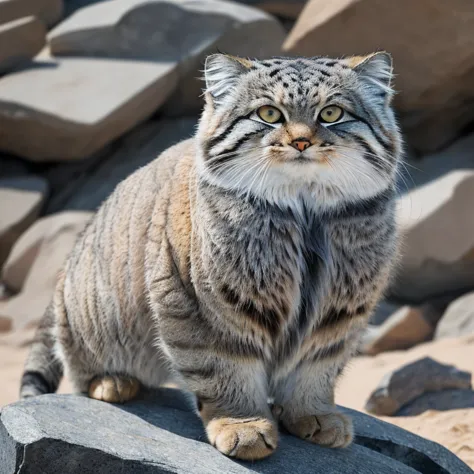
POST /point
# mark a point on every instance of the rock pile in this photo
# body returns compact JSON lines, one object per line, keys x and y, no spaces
{"x":91,"y":90}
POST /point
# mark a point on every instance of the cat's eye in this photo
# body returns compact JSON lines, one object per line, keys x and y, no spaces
{"x":331,"y":114}
{"x":269,"y":114}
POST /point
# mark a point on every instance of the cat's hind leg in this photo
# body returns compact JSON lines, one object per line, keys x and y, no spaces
{"x":114,"y":388}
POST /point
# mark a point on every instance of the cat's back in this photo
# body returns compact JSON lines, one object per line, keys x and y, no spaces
{"x":106,"y":266}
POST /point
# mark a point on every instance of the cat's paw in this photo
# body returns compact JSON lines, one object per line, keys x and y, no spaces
{"x":114,"y":388}
{"x":243,"y":438}
{"x":333,"y":430}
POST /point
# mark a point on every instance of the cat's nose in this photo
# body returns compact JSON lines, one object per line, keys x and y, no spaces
{"x":301,"y":143}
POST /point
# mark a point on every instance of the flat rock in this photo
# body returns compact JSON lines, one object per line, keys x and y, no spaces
{"x":153,"y":30}
{"x":433,"y":101}
{"x":70,"y":108}
{"x":404,"y":328}
{"x":287,"y":9}
{"x":22,"y":199}
{"x":158,"y":434}
{"x":437,"y":222}
{"x":48,"y":11}
{"x":458,"y":318}
{"x":441,"y":401}
{"x":20,"y":40}
{"x":88,"y":190}
{"x":34,"y":263}
{"x":410,"y":381}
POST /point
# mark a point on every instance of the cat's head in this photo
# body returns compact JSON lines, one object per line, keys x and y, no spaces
{"x":285,"y":128}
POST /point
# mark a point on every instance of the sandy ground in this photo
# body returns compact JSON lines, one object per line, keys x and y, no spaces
{"x":453,"y":429}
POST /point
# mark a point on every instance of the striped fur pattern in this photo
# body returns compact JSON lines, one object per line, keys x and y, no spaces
{"x":236,"y":264}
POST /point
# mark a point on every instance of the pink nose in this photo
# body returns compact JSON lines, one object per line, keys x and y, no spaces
{"x":301,"y":144}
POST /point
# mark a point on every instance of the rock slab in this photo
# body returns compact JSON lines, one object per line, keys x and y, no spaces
{"x":153,"y":30}
{"x":48,"y":11}
{"x":20,"y":40}
{"x":458,"y":318}
{"x":34,"y":263}
{"x":434,"y":101}
{"x":411,"y":381}
{"x":21,"y":201}
{"x":437,"y":223}
{"x":158,"y":434}
{"x":70,"y":108}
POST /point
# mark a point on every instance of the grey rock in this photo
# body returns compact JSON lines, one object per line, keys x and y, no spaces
{"x":288,"y":9}
{"x":21,"y":201}
{"x":437,"y":223}
{"x":153,"y":30}
{"x":69,"y":109}
{"x":91,"y":187}
{"x":410,"y":381}
{"x":439,"y":401}
{"x":157,"y":434}
{"x":11,"y":166}
{"x":20,"y":40}
{"x":458,"y":319}
{"x":48,"y":11}
{"x":403,"y":328}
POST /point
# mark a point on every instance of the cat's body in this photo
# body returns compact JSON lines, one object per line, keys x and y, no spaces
{"x":239,"y":291}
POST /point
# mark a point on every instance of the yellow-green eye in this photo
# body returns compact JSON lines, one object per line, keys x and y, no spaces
{"x":331,"y":114}
{"x":269,"y":114}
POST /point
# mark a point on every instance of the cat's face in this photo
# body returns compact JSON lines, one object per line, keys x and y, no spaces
{"x":318,"y":128}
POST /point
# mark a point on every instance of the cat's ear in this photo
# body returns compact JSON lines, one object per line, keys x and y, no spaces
{"x":221,"y":73}
{"x":376,"y":69}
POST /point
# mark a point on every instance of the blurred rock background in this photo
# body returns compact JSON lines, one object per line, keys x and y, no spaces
{"x":92,"y":90}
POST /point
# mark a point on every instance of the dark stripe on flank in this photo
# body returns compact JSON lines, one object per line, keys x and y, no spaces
{"x":36,"y":380}
{"x":336,"y":316}
{"x":202,"y":373}
{"x":328,"y":352}
{"x":267,"y":317}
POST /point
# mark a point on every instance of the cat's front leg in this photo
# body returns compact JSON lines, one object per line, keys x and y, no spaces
{"x":232,"y":401}
{"x":304,"y":404}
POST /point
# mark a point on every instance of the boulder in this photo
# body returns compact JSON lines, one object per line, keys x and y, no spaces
{"x":404,"y":328}
{"x":20,"y":40}
{"x":410,"y":381}
{"x":131,"y":152}
{"x":48,"y":11}
{"x":441,"y":401}
{"x":458,"y":318}
{"x":34,"y":263}
{"x":22,"y":199}
{"x":437,"y":222}
{"x":70,"y":108}
{"x":286,"y":9}
{"x":13,"y":167}
{"x":435,"y":80}
{"x":152,"y":30}
{"x":158,"y":434}
{"x":420,"y":171}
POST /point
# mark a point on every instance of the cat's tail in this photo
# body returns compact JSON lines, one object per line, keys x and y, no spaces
{"x":43,"y":370}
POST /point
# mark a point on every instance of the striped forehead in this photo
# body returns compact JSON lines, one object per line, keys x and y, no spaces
{"x":297,"y":81}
